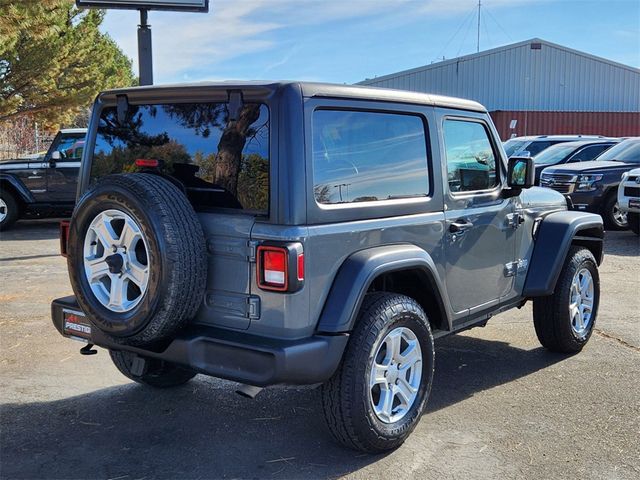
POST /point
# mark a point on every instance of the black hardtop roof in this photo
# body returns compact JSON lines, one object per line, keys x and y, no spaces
{"x":307,"y":89}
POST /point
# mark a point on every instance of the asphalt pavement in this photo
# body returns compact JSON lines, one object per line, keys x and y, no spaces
{"x":501,"y":406}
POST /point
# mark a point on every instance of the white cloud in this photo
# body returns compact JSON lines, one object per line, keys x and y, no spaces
{"x":187,"y":43}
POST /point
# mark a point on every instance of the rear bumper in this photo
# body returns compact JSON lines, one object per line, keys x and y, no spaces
{"x":234,"y":356}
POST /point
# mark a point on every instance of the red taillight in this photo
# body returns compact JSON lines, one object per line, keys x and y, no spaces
{"x":64,"y":236}
{"x":280,"y":268}
{"x":301,"y":267}
{"x":273,"y":268}
{"x":147,"y":163}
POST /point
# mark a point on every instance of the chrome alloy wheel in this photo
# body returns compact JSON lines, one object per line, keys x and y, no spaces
{"x":3,"y":210}
{"x":619,"y":216}
{"x":581,"y":302}
{"x":394,"y":379}
{"x":116,"y":260}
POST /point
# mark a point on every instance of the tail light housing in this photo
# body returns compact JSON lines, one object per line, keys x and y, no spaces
{"x":280,"y":267}
{"x":64,"y":236}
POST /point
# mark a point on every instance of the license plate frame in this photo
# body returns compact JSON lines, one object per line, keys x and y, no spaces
{"x":75,"y":325}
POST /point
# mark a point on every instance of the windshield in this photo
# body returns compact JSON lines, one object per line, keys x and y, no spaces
{"x":554,"y":154}
{"x":627,"y":151}
{"x":512,"y":146}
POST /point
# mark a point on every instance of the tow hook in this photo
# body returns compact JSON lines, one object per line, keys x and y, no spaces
{"x":248,"y":391}
{"x":88,"y":350}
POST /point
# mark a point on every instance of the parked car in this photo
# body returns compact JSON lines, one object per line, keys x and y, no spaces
{"x":629,"y":198}
{"x":570,"y":152}
{"x":532,"y":145}
{"x":593,"y":186}
{"x":37,"y":187}
{"x":309,"y":238}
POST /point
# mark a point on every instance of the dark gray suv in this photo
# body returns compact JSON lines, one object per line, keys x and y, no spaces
{"x":301,"y":233}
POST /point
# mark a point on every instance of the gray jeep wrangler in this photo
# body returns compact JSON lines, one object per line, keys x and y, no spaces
{"x":301,"y":233}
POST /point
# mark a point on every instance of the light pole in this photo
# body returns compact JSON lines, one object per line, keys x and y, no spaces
{"x":145,"y":54}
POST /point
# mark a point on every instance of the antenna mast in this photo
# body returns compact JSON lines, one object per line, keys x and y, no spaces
{"x":478,"y":42}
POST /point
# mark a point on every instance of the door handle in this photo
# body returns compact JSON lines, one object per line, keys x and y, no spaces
{"x":460,"y":225}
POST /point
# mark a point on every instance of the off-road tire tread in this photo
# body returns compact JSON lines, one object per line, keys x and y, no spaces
{"x":550,"y":312}
{"x":186,"y":253}
{"x":337,"y":400}
{"x":160,"y":374}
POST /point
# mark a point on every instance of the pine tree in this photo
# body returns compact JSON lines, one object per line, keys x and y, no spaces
{"x":54,"y":60}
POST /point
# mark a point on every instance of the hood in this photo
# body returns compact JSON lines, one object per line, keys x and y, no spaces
{"x":581,"y":167}
{"x":543,"y":198}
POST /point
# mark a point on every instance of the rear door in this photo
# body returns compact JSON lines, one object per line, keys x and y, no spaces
{"x":479,"y":241}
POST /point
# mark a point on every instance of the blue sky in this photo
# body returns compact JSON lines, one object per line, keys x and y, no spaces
{"x":350,"y":40}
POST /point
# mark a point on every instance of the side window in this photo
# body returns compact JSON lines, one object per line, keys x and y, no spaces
{"x":588,"y":153}
{"x":535,"y":148}
{"x":471,"y":161}
{"x":368,"y":156}
{"x":70,"y":148}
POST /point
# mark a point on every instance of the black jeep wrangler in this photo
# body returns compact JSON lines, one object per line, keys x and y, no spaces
{"x":45,"y":186}
{"x":301,"y":233}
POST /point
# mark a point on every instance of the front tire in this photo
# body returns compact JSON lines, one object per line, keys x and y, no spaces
{"x":378,"y":394}
{"x":565,"y":320}
{"x":614,"y":218}
{"x":9,"y":210}
{"x":634,"y":222}
{"x":157,"y":373}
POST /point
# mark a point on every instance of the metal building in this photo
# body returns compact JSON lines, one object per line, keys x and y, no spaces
{"x":536,"y":87}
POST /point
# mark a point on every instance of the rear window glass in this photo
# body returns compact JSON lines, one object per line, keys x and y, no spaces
{"x":221,"y":163}
{"x":368,"y":156}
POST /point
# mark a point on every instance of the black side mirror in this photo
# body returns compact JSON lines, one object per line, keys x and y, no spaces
{"x":521,"y":172}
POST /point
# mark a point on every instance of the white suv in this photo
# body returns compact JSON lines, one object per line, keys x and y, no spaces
{"x":629,"y":198}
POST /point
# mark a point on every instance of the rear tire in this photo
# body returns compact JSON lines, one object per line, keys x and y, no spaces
{"x":9,"y":210}
{"x":157,"y":373}
{"x":353,"y":399}
{"x":560,"y":319}
{"x":634,"y":222}
{"x":614,"y":218}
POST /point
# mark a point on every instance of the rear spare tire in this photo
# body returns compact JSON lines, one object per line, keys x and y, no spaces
{"x":137,"y":258}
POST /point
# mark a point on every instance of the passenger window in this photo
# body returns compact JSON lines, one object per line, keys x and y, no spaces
{"x":368,"y":156}
{"x":70,"y":148}
{"x":588,"y":153}
{"x":471,"y":161}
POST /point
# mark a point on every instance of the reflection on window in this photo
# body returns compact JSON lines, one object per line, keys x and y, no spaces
{"x":368,"y":156}
{"x":71,"y":148}
{"x":219,"y":161}
{"x":471,"y":163}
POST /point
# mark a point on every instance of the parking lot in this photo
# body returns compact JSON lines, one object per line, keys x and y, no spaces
{"x":501,"y":406}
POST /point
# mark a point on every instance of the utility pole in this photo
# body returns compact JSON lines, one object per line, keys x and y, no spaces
{"x":145,"y":57}
{"x":478,"y":42}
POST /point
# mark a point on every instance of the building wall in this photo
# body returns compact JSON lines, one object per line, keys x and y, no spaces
{"x":532,"y":75}
{"x":614,"y":124}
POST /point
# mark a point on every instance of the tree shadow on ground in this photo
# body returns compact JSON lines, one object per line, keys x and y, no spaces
{"x":204,"y":430}
{"x":32,"y":230}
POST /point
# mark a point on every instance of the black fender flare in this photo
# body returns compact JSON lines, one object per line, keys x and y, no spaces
{"x":553,"y":238}
{"x":17,"y":186}
{"x":357,"y":273}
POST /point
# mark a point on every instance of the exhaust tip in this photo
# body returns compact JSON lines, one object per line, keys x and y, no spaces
{"x":248,"y":391}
